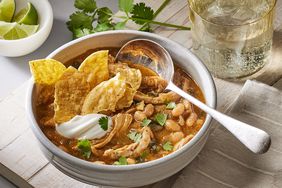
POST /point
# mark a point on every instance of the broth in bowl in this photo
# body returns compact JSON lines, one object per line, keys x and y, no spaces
{"x":114,"y":113}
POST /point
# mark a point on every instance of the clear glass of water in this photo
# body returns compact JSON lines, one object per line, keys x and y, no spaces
{"x":232,"y":37}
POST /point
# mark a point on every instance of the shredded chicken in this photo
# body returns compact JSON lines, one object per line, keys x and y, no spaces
{"x":182,"y":142}
{"x":121,"y":124}
{"x":161,"y":99}
{"x":154,"y":82}
{"x":134,"y":149}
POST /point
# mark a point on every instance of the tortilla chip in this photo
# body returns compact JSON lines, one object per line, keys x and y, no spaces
{"x":70,"y":92}
{"x":132,"y":76}
{"x":104,"y":97}
{"x":46,"y":71}
{"x":95,"y":66}
{"x":127,"y":98}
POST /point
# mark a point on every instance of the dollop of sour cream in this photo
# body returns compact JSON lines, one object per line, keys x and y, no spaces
{"x":84,"y":127}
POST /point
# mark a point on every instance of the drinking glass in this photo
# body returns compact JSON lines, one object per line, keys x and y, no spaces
{"x":232,"y":37}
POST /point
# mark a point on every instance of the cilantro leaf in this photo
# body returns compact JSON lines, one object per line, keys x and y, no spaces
{"x":160,"y":118}
{"x":140,"y":10}
{"x":121,"y":161}
{"x":167,"y":146}
{"x":84,"y":146}
{"x":80,"y":20}
{"x":85,"y":5}
{"x":134,"y":136}
{"x":104,"y":15}
{"x":171,"y":105}
{"x":146,"y":122}
{"x":81,"y":32}
{"x":103,"y":122}
{"x":119,"y":25}
{"x":103,"y":27}
{"x":125,"y":5}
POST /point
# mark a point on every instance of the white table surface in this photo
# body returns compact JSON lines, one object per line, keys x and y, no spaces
{"x":15,"y":71}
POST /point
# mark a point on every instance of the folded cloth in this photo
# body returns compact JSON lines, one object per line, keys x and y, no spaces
{"x":225,"y":162}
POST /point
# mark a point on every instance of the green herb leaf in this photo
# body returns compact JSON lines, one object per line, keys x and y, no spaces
{"x":125,"y":5}
{"x":160,"y":118}
{"x":104,"y":27}
{"x":85,"y":5}
{"x":171,"y":105}
{"x":80,"y":20}
{"x":81,"y":32}
{"x":146,"y":28}
{"x":140,"y":10}
{"x":103,"y":122}
{"x":146,"y":122}
{"x":84,"y":146}
{"x":144,"y":154}
{"x":121,"y":161}
{"x":104,"y":15}
{"x":119,"y":25}
{"x":134,"y":136}
{"x":167,"y":146}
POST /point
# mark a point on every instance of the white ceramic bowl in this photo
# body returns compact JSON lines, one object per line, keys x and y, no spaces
{"x":20,"y":47}
{"x":138,"y":174}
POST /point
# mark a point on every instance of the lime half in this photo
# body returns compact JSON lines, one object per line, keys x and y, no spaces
{"x":7,"y":10}
{"x":27,"y":15}
{"x":13,"y":31}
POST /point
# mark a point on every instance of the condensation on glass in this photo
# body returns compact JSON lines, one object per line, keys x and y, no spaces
{"x":233,"y":38}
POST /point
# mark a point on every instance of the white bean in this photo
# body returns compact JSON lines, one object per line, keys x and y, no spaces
{"x":178,"y":110}
{"x":171,"y":125}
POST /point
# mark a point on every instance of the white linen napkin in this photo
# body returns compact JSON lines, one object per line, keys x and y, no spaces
{"x":225,"y":162}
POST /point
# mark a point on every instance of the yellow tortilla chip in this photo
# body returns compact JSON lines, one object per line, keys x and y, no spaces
{"x":46,"y":71}
{"x":127,"y":98}
{"x":104,"y":97}
{"x":95,"y":66}
{"x":132,"y":76}
{"x":70,"y":92}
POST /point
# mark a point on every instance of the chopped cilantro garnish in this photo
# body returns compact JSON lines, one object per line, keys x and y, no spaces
{"x":160,"y":118}
{"x":167,"y":146}
{"x":171,"y":105}
{"x":146,"y":122}
{"x":103,"y":122}
{"x":134,"y":136}
{"x":84,"y":146}
{"x":121,"y":161}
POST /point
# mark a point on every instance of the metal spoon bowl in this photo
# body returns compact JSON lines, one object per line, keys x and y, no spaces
{"x":152,"y":55}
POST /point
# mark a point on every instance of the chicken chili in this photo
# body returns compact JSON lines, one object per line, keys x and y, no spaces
{"x":113,"y":113}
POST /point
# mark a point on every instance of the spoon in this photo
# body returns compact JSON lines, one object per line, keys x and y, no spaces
{"x":152,"y":55}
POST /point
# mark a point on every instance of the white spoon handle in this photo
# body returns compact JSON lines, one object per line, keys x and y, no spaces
{"x":257,"y":140}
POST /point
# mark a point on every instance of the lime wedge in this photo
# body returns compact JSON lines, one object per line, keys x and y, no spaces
{"x":27,"y":15}
{"x":7,"y":10}
{"x":13,"y":31}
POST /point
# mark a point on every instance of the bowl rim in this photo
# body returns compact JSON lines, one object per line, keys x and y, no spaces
{"x":118,"y":168}
{"x":41,"y":30}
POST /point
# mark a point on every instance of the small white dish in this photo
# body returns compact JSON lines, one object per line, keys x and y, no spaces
{"x":20,"y":47}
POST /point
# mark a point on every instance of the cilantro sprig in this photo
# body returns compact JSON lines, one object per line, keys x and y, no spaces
{"x":84,"y":146}
{"x":88,"y":18}
{"x":103,"y":122}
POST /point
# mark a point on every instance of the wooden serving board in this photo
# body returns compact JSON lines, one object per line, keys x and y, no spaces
{"x":21,"y":159}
